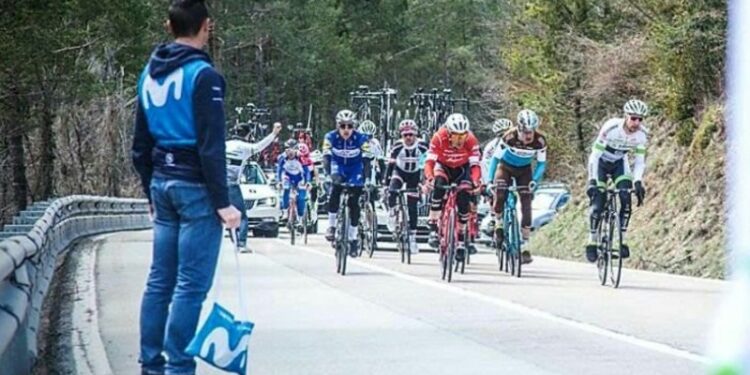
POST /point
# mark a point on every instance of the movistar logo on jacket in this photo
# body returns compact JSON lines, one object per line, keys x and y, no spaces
{"x":168,"y":104}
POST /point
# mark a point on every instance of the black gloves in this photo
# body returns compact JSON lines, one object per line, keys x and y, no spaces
{"x":640,"y":192}
{"x":591,"y":189}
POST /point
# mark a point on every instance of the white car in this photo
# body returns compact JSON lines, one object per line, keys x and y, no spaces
{"x":261,"y":202}
{"x":549,"y":199}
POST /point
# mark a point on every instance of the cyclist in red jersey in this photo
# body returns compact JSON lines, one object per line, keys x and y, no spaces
{"x":453,"y":158}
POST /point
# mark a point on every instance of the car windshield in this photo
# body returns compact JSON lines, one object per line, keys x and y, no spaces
{"x":253,"y":175}
{"x":543,"y":200}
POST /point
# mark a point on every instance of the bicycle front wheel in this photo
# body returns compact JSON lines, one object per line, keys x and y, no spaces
{"x":372,"y":233}
{"x":291,"y":222}
{"x":615,"y":260}
{"x":451,"y":243}
{"x":603,"y":252}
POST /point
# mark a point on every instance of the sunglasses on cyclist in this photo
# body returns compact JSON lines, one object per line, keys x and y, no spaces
{"x":409,"y":135}
{"x":636,"y":118}
{"x":346,"y":126}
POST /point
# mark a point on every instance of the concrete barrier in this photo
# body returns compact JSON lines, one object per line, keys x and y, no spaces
{"x":29,"y":250}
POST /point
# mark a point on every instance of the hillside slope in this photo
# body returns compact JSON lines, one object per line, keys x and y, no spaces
{"x":680,"y":227}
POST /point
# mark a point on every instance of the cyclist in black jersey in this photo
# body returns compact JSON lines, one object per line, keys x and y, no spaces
{"x":403,"y":168}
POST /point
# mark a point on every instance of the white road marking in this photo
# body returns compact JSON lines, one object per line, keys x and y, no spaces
{"x":528,"y":311}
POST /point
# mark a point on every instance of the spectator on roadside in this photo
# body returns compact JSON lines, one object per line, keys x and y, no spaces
{"x":179,"y":153}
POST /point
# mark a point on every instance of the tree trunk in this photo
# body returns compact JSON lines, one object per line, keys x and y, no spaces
{"x":16,"y":128}
{"x":47,"y":152}
{"x":260,"y":85}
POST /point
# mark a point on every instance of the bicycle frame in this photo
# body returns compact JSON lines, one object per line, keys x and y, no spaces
{"x":402,"y":223}
{"x":609,"y":260}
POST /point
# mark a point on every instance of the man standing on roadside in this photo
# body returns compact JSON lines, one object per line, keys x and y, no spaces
{"x":179,"y":153}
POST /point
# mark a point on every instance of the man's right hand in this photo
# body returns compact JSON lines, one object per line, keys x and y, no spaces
{"x":230,"y":216}
{"x":276,"y":128}
{"x":591,"y":189}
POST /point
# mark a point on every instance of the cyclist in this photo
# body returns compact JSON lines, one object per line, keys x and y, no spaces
{"x":239,"y":152}
{"x":617,"y":138}
{"x":499,"y":128}
{"x":306,"y":159}
{"x":403,"y":168}
{"x":369,"y":129}
{"x":453,"y":157}
{"x":292,"y":172}
{"x":513,"y":160}
{"x":346,"y":155}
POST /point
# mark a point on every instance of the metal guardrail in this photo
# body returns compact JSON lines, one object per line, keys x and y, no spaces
{"x":30,"y":248}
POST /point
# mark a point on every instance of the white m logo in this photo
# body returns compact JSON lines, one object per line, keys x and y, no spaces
{"x":223,"y":354}
{"x":158,"y":94}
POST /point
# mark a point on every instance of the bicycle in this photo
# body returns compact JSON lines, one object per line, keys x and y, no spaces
{"x":368,"y":223}
{"x":508,"y":249}
{"x":341,"y":240}
{"x":401,"y":234}
{"x":447,"y":231}
{"x":310,"y":207}
{"x":608,"y":259}
{"x":291,"y":222}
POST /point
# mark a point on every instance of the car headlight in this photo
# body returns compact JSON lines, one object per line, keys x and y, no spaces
{"x":267,"y":202}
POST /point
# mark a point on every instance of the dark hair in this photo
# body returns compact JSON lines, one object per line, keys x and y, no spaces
{"x":187,"y":16}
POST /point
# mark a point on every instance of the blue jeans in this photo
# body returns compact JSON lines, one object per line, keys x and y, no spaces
{"x":235,"y":198}
{"x":187,"y":238}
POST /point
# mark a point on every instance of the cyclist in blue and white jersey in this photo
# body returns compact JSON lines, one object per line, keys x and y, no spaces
{"x":346,"y":156}
{"x":369,"y":129}
{"x":290,"y":171}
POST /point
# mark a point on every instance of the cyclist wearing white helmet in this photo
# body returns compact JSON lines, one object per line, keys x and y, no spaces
{"x":369,"y":129}
{"x":403,"y":168}
{"x":346,"y":155}
{"x":512,"y":160}
{"x":499,"y":128}
{"x":617,"y":138}
{"x":453,"y":158}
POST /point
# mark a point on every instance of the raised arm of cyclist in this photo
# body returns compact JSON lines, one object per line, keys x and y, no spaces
{"x":618,"y":138}
{"x":519,"y":148}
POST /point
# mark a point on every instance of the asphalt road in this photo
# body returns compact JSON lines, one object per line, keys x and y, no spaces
{"x":384,"y":317}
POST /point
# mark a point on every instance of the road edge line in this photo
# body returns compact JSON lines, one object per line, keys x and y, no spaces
{"x":89,"y":354}
{"x":517,"y":307}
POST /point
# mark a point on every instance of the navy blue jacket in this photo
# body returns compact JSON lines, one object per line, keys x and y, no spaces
{"x":179,"y":123}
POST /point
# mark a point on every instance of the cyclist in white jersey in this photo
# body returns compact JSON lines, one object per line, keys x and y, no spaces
{"x":618,"y":138}
{"x":239,"y":152}
{"x":499,"y":128}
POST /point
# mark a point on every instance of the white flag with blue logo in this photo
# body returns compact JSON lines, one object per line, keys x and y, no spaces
{"x":222,"y":341}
